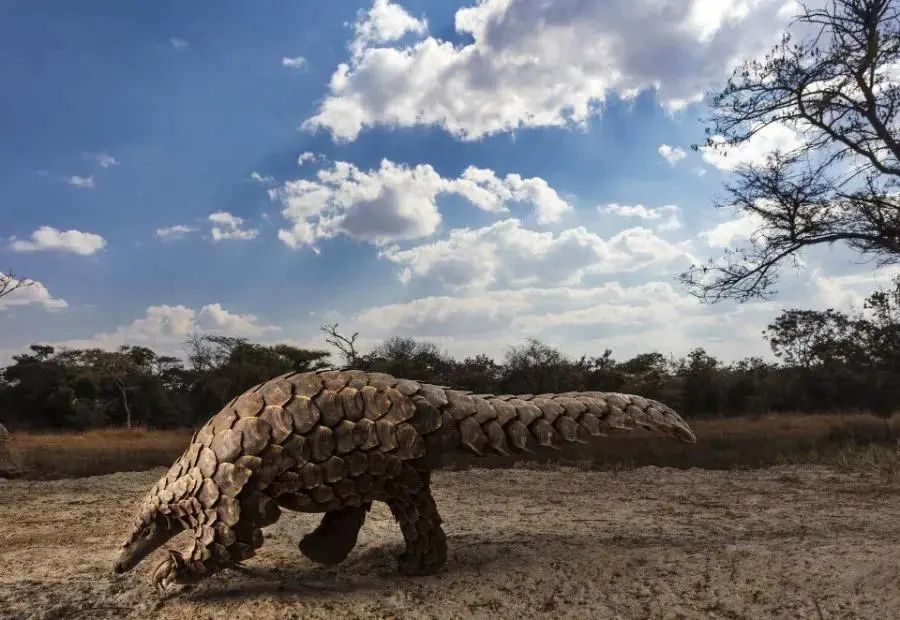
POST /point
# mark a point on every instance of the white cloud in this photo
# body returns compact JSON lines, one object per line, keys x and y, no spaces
{"x":670,"y":154}
{"x":533,"y":63}
{"x":166,"y":327}
{"x":77,"y":181}
{"x":105,"y":160}
{"x":174,"y":232}
{"x":228,"y":226}
{"x":389,"y":204}
{"x":725,"y":235}
{"x":49,"y":238}
{"x":262,"y":179}
{"x":383,"y":23}
{"x":752,"y":152}
{"x":628,"y":318}
{"x":32,"y":293}
{"x":484,"y":189}
{"x":653,"y":316}
{"x":295,"y":62}
{"x":397,"y":202}
{"x":666,"y":215}
{"x":178,"y":44}
{"x":508,"y":255}
{"x":850,"y":291}
{"x":213,"y":318}
{"x":444,"y":316}
{"x":306,"y":156}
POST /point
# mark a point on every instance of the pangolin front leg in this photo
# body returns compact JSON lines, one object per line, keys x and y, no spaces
{"x":415,"y":510}
{"x":217,"y":546}
{"x":336,"y":535}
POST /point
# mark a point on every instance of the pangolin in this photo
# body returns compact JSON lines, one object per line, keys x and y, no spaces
{"x":335,"y":441}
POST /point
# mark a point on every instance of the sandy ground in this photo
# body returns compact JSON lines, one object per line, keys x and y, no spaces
{"x":787,"y":542}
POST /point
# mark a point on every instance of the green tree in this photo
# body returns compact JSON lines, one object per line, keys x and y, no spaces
{"x":223,"y":367}
{"x":810,"y":337}
{"x":408,"y":357}
{"x":882,"y":328}
{"x":700,"y":375}
{"x":536,"y":368}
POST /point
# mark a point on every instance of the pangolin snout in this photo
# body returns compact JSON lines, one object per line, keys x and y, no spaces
{"x":124,"y":562}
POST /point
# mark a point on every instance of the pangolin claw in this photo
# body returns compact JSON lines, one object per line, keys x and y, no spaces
{"x":165,"y":574}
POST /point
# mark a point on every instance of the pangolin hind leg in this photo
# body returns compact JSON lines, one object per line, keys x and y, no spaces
{"x":335,"y":536}
{"x":415,"y":510}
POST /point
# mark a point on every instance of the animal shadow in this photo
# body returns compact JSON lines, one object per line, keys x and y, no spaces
{"x":366,"y":569}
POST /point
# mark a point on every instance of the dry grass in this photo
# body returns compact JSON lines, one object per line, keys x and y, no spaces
{"x":855,"y":441}
{"x":74,"y":455}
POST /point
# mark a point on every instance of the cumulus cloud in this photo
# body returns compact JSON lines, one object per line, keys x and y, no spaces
{"x":104,"y":160}
{"x":507,"y":254}
{"x":32,"y":292}
{"x":532,"y":63}
{"x":444,"y":316}
{"x":84,"y":182}
{"x":213,"y":318}
{"x":851,"y":290}
{"x":754,"y":151}
{"x":179,"y":44}
{"x":165,"y":327}
{"x":392,"y":203}
{"x":295,"y":62}
{"x":670,"y":154}
{"x":262,"y":179}
{"x":49,"y":238}
{"x":727,"y":234}
{"x":629,"y":319}
{"x":397,"y":202}
{"x":483,"y":188}
{"x":228,"y":226}
{"x":383,"y":23}
{"x":666,"y":215}
{"x":309,"y":156}
{"x":174,"y":232}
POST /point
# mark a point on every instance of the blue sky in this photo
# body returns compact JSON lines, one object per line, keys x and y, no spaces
{"x":469,"y":173}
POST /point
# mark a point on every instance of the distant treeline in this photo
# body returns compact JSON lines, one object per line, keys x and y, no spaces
{"x":828,"y":360}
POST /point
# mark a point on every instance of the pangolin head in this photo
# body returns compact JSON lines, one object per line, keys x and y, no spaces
{"x":151,"y":530}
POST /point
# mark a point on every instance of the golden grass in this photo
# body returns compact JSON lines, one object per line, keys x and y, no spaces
{"x":737,"y":443}
{"x":851,"y":440}
{"x":90,"y":453}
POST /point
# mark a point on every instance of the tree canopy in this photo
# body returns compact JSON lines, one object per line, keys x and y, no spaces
{"x":833,"y":80}
{"x":828,"y":360}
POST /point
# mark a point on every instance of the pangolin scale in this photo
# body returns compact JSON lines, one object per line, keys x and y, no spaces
{"x":334,"y":442}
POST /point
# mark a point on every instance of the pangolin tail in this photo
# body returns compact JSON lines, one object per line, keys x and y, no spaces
{"x":488,"y":424}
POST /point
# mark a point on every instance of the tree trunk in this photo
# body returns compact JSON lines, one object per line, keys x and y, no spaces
{"x":125,"y":404}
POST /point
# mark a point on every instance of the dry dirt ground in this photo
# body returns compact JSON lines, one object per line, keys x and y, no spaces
{"x":786,"y":542}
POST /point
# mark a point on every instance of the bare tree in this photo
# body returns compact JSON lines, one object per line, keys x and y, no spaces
{"x":207,"y":352}
{"x":345,"y":346}
{"x":9,"y":283}
{"x":839,"y":89}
